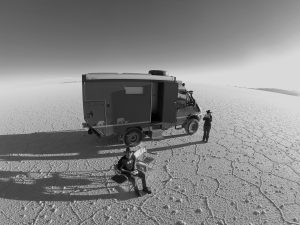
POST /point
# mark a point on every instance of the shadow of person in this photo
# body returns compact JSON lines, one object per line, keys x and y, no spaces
{"x":168,"y":137}
{"x":165,"y":148}
{"x":57,"y":187}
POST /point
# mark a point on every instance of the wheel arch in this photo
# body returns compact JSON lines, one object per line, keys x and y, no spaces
{"x":129,"y":128}
{"x":189,"y":117}
{"x":193,"y":117}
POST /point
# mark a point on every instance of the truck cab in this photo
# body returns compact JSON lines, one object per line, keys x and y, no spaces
{"x":188,"y":111}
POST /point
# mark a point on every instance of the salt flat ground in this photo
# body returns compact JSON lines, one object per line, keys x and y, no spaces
{"x":53,"y":172}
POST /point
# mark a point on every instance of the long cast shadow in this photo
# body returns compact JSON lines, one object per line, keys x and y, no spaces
{"x":55,"y":146}
{"x":64,"y":145}
{"x":169,"y":137}
{"x":19,"y":185}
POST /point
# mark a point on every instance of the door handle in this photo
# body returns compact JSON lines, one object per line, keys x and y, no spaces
{"x":90,"y":114}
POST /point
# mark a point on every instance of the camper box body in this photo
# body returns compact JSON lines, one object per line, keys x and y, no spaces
{"x":114,"y":103}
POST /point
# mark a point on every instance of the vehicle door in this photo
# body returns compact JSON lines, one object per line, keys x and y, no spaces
{"x":169,"y":106}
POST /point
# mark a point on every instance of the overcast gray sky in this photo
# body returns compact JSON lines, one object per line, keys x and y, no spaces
{"x":206,"y":39}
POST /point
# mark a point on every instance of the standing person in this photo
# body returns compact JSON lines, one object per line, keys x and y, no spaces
{"x":207,"y":125}
{"x":127,"y":166}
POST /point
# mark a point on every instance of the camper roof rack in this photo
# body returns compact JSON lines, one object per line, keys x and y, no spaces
{"x":125,"y":76}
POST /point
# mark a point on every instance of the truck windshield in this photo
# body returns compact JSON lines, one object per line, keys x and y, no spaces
{"x":185,"y":98}
{"x":189,"y":98}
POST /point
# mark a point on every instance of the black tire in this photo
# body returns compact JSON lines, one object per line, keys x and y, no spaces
{"x":191,"y":126}
{"x":133,"y":137}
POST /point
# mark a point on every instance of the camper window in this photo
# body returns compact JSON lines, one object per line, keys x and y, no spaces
{"x":134,"y":90}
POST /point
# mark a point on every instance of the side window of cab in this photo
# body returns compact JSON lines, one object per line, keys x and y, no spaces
{"x":181,"y":100}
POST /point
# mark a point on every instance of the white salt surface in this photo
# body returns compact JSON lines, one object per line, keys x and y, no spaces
{"x":38,"y":107}
{"x":53,"y":172}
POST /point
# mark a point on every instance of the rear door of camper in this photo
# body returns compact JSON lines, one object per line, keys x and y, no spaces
{"x":94,"y":104}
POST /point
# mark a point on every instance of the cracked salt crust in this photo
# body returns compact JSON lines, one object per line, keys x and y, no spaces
{"x":248,"y":172}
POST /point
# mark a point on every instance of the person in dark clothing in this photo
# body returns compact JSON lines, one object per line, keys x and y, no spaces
{"x":207,"y":125}
{"x":127,"y":166}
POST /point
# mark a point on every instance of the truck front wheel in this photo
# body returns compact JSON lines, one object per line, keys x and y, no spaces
{"x":191,"y":126}
{"x":133,"y":137}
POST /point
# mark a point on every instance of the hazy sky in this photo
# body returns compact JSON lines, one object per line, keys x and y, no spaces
{"x":246,"y":42}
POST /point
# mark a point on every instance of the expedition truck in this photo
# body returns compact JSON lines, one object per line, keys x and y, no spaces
{"x":134,"y":105}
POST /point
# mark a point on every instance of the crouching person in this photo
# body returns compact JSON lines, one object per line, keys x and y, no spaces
{"x":127,"y":166}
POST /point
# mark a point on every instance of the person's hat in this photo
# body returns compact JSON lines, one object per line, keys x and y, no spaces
{"x":208,"y":111}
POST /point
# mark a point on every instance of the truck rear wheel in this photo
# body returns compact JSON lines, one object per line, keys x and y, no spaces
{"x":191,"y":126}
{"x":133,"y":137}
